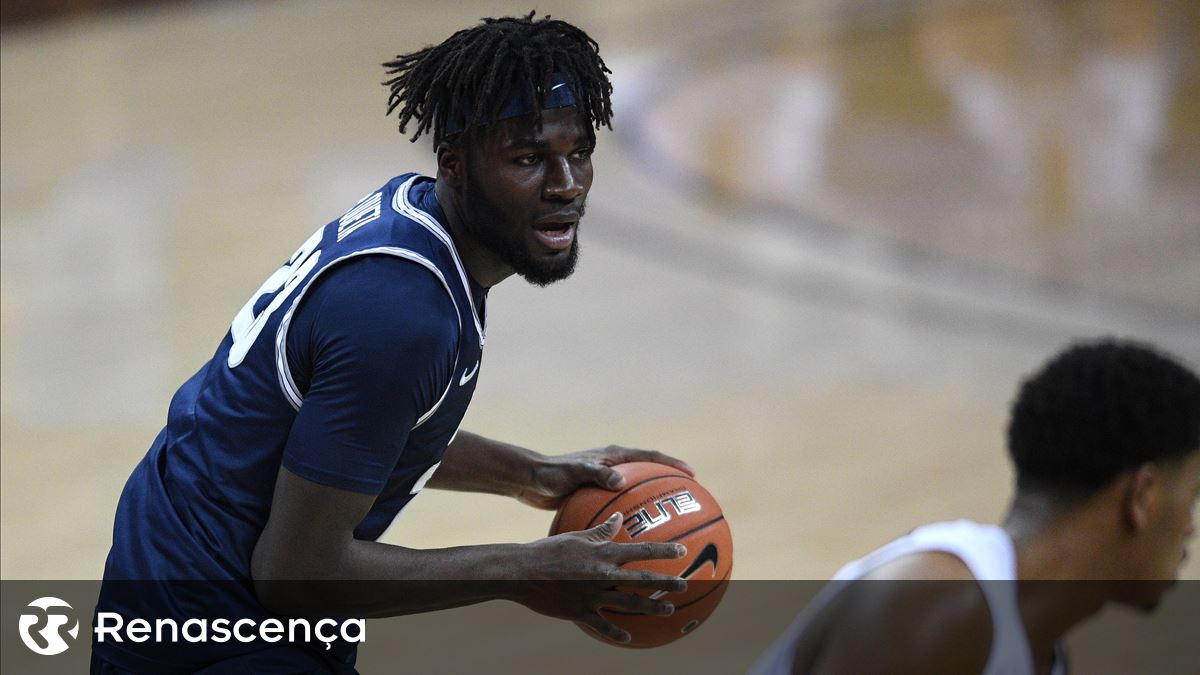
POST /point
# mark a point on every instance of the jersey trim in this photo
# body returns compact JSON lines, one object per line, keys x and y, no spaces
{"x":288,"y":384}
{"x":449,"y":386}
{"x":402,"y":205}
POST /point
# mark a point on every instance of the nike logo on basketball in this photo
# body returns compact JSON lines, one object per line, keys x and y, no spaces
{"x":707,"y":555}
{"x":467,"y":375}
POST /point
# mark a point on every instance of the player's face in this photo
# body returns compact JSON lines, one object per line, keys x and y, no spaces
{"x":1163,"y":547}
{"x":1181,"y":491}
{"x":525,"y":190}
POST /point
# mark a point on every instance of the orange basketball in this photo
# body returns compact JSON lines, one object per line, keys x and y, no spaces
{"x":660,"y":504}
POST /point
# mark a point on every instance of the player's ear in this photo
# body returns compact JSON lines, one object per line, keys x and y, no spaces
{"x":451,"y":163}
{"x":1141,"y":494}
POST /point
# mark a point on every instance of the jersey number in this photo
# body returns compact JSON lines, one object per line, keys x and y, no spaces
{"x":246,"y":325}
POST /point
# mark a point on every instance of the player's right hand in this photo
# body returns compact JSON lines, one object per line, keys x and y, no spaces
{"x":574,"y":574}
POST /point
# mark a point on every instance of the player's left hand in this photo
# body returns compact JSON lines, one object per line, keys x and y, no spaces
{"x":556,"y":477}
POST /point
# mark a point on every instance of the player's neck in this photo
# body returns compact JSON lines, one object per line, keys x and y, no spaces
{"x":1058,"y":542}
{"x":1050,"y":609}
{"x":1055,"y":549}
{"x":483,"y":266}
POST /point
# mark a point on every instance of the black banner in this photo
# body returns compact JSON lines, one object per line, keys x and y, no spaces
{"x":51,"y":627}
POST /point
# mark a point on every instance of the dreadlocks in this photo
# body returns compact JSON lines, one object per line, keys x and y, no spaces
{"x":468,"y":77}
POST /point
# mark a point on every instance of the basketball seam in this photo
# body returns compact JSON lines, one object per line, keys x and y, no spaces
{"x":696,"y":529}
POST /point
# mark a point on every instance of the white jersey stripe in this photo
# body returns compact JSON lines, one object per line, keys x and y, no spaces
{"x":437,"y":405}
{"x":404,"y":207}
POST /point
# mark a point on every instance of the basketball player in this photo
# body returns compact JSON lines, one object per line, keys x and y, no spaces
{"x":1106,"y":443}
{"x":337,"y":394}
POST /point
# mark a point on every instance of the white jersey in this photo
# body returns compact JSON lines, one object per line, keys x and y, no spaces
{"x":988,"y":553}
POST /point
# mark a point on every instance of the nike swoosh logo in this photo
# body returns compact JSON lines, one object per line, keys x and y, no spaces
{"x":707,"y":555}
{"x":467,"y":375}
{"x":560,"y":84}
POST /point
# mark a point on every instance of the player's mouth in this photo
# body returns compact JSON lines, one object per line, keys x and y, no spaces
{"x":556,"y":235}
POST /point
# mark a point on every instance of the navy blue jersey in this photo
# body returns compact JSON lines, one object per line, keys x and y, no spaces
{"x":352,"y":366}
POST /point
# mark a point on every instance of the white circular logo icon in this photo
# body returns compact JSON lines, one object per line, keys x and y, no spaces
{"x":42,"y":631}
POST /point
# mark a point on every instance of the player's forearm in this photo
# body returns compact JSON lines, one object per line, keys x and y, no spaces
{"x":371,"y":579}
{"x":473,"y":463}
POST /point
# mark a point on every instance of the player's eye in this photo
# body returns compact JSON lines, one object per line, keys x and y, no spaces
{"x":527,"y":160}
{"x":583,"y":153}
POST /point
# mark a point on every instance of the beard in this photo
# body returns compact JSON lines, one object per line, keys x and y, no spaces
{"x":484,"y":222}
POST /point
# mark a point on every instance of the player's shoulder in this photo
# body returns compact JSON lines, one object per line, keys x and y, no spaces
{"x":923,"y":612}
{"x":380,"y":304}
{"x":382,"y":284}
{"x":923,"y":566}
{"x":936,"y":587}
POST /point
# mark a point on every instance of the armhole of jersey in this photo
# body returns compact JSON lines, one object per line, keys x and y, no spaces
{"x":287,"y":383}
{"x":449,"y":384}
{"x":988,"y":555}
{"x":779,"y":658}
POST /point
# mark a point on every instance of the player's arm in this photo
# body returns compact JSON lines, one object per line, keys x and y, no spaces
{"x":378,"y":360}
{"x":473,"y":463}
{"x":921,"y":614}
{"x":307,"y":562}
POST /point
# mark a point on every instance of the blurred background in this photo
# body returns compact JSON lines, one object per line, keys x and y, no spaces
{"x":825,"y":242}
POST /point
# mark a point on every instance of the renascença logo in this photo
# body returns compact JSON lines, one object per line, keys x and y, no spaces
{"x":42,"y":632}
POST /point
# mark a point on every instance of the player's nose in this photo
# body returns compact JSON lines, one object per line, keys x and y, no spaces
{"x":561,"y":183}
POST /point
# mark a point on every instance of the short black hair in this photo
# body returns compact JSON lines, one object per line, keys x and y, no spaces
{"x":468,"y":77}
{"x":1098,"y":409}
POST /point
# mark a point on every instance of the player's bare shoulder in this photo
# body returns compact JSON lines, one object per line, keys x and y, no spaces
{"x":923,"y":566}
{"x":901,"y":617}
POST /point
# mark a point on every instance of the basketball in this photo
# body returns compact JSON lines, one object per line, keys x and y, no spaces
{"x":660,"y":504}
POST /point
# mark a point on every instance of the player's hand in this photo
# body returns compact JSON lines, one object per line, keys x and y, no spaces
{"x":575,"y":574}
{"x":556,"y":477}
